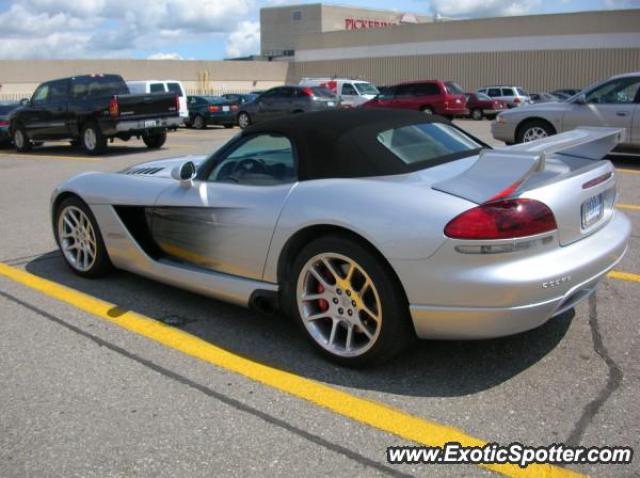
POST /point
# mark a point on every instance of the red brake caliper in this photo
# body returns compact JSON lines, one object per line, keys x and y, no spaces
{"x":322,"y":303}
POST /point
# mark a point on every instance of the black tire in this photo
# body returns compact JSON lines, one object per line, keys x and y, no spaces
{"x":396,"y":329}
{"x":229,"y":126}
{"x":199,"y":122}
{"x":156,"y":140}
{"x":427,"y":110}
{"x":476,"y":114}
{"x":244,"y":119}
{"x":21,"y":141}
{"x":92,"y":139}
{"x":527,"y":128}
{"x":102,"y":264}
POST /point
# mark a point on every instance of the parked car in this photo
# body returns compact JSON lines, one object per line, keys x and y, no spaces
{"x":5,"y":109}
{"x":367,"y":227}
{"x":481,"y":106}
{"x":162,"y":86}
{"x":239,"y":98}
{"x":512,"y":95}
{"x":444,"y":98}
{"x":284,"y":100}
{"x":351,"y":93}
{"x":91,"y":110}
{"x":614,"y":102}
{"x":210,"y":110}
{"x":565,"y":93}
{"x":543,"y":97}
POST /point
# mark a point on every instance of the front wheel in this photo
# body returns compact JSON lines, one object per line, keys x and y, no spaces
{"x":20,"y":140}
{"x":155,"y":141}
{"x":348,"y":302}
{"x":244,"y":120}
{"x":199,"y":122}
{"x":79,"y":239}
{"x":534,"y":130}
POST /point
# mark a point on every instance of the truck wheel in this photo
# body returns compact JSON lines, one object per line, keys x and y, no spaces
{"x":199,"y":122}
{"x":92,"y":139}
{"x":156,"y":140}
{"x":20,"y":139}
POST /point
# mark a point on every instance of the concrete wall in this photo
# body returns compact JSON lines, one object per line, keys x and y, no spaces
{"x":19,"y":78}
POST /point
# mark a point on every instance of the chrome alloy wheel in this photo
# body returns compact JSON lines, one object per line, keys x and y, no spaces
{"x":19,"y":139}
{"x":339,"y":304}
{"x":90,"y":139}
{"x":533,"y":133}
{"x":243,"y":120}
{"x":77,"y":238}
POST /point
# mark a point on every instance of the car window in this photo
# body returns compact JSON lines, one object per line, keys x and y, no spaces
{"x":426,"y":142}
{"x":175,"y":88}
{"x":494,"y":92}
{"x":454,"y":88}
{"x":482,"y":97}
{"x":426,"y":89}
{"x":41,"y":94}
{"x":261,"y":160}
{"x":404,"y":90}
{"x":619,"y":91}
{"x":275,"y":92}
{"x":366,"y":88}
{"x":322,"y":92}
{"x":386,"y":92}
{"x":156,"y":88}
{"x":507,"y":92}
{"x":58,"y":90}
{"x":98,"y":86}
{"x":521,"y":92}
{"x":349,"y":90}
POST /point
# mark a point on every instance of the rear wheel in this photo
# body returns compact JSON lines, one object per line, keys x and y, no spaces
{"x":92,"y":139}
{"x":348,"y":303}
{"x":244,"y":120}
{"x":533,"y":130}
{"x":426,"y":110}
{"x":79,"y":239}
{"x":476,"y":114}
{"x":199,"y":122}
{"x":20,"y":139}
{"x":155,"y":140}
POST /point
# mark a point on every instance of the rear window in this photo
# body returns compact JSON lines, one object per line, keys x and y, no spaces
{"x":175,"y":88}
{"x":156,"y":88}
{"x":454,"y":88}
{"x":427,"y":143}
{"x":366,"y":88}
{"x":98,"y":86}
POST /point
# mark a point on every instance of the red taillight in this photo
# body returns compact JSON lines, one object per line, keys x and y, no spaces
{"x":516,"y":100}
{"x":307,"y":91}
{"x":234,"y":107}
{"x":214,"y":108}
{"x":114,"y":107}
{"x":4,"y":123}
{"x":505,"y":219}
{"x":176,"y":102}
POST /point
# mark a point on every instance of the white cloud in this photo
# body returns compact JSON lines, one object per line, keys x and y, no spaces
{"x":615,"y":4}
{"x":244,"y":40}
{"x":483,"y":8}
{"x":165,"y":56}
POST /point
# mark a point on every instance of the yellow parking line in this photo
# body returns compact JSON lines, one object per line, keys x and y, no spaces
{"x":628,"y":171}
{"x":374,"y":414}
{"x":46,"y":156}
{"x":628,"y":206}
{"x":628,"y":276}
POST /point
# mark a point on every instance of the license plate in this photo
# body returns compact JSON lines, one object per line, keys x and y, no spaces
{"x":592,"y":211}
{"x":150,"y":123}
{"x":331,"y":103}
{"x":225,"y":108}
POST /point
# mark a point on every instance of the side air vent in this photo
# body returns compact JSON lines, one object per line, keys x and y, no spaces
{"x":144,"y":171}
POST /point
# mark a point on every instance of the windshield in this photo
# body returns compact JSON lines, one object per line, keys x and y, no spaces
{"x":454,"y":88}
{"x":366,"y":89}
{"x":427,"y":142}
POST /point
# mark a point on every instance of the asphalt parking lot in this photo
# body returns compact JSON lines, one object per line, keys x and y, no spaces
{"x":85,"y":393}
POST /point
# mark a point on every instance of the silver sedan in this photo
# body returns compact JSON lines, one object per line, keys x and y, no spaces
{"x":369,"y":227}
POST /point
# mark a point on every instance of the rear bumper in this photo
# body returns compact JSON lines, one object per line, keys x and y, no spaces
{"x":519,"y":289}
{"x":143,"y":124}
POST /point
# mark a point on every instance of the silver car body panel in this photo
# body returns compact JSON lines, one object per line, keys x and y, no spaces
{"x":225,"y":240}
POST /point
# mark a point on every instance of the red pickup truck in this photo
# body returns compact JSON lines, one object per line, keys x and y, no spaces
{"x":444,"y":98}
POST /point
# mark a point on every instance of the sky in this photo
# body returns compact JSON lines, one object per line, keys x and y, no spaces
{"x":200,"y":29}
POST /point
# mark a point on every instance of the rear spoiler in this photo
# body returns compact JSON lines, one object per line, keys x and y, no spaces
{"x":499,"y":172}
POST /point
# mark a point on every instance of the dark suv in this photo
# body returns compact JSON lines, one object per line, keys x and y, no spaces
{"x":284,"y":100}
{"x":444,"y":98}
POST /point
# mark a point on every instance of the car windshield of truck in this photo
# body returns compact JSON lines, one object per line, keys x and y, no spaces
{"x":454,"y":88}
{"x":428,"y":142}
{"x":366,"y":89}
{"x":97,"y":86}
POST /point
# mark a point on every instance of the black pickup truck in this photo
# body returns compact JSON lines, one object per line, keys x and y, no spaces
{"x":90,"y":110}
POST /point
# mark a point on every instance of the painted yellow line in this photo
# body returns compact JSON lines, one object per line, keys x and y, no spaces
{"x":46,"y":156}
{"x":628,"y":276}
{"x":374,"y":414}
{"x":628,"y":171}
{"x":628,"y":206}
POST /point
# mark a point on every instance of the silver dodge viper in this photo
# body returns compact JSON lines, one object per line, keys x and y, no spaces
{"x":368,"y":227}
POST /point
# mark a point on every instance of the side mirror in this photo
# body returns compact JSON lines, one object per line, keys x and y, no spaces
{"x":184,"y":172}
{"x":25,"y":101}
{"x":580,"y":100}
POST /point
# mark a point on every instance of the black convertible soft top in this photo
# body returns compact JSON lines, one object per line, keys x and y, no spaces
{"x":343,"y":143}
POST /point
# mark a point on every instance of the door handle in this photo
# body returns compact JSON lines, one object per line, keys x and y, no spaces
{"x":622,"y":113}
